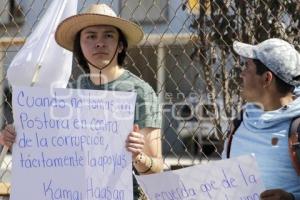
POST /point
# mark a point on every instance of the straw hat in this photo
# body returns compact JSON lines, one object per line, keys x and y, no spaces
{"x":96,"y":14}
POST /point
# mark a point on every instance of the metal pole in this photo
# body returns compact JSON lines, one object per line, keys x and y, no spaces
{"x":161,"y":73}
{"x":4,"y":149}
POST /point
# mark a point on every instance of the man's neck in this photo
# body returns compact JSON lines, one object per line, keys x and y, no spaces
{"x":277,"y":101}
{"x":108,"y":74}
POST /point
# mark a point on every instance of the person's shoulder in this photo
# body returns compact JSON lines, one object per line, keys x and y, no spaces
{"x":138,"y":82}
{"x":79,"y":83}
{"x":72,"y":84}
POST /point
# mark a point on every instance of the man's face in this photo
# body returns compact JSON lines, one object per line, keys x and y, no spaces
{"x":99,"y":43}
{"x":252,"y":85}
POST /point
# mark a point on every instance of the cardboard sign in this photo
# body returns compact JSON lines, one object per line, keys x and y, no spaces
{"x":232,"y":179}
{"x":71,"y":144}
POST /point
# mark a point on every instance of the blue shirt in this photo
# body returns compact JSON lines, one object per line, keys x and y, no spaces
{"x":265,"y":134}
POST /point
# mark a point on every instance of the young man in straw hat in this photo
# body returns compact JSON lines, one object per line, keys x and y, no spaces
{"x":99,"y":40}
{"x":272,"y":71}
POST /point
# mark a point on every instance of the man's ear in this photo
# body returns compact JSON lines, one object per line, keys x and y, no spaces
{"x":268,"y":78}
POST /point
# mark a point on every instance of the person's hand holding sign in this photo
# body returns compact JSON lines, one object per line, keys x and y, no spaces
{"x":8,"y":136}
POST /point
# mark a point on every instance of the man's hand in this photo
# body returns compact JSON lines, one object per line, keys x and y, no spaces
{"x":8,"y":136}
{"x":276,"y":194}
{"x":135,"y":142}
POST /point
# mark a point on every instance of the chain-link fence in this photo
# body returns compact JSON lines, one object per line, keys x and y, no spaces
{"x":185,"y":56}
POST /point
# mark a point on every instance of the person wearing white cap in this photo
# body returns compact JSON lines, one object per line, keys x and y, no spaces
{"x":99,"y":40}
{"x":271,"y":73}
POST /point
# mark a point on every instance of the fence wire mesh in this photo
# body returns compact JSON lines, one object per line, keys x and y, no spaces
{"x":186,"y":56}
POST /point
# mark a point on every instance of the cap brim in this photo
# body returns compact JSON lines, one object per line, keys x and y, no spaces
{"x":244,"y":50}
{"x":67,"y":30}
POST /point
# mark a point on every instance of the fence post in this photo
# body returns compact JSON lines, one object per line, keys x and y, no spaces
{"x":161,"y":72}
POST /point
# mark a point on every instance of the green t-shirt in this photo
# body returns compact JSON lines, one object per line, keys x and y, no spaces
{"x":147,"y":111}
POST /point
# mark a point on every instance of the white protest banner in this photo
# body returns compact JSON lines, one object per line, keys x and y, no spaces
{"x":232,"y":179}
{"x":71,"y":144}
{"x":41,"y":60}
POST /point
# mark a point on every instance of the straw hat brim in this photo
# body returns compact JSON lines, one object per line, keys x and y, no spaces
{"x":67,"y":29}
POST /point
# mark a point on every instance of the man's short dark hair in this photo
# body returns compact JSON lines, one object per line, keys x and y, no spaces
{"x":82,"y":60}
{"x":282,"y":86}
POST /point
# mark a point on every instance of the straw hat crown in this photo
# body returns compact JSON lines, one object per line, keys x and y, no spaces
{"x":101,"y":9}
{"x":96,"y":14}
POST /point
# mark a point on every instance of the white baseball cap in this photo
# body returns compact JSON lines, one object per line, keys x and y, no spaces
{"x":277,"y":55}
